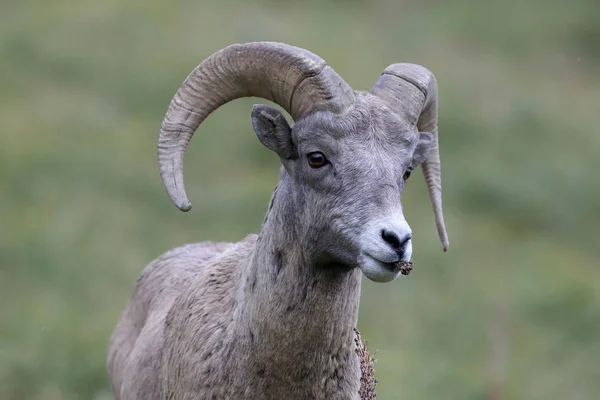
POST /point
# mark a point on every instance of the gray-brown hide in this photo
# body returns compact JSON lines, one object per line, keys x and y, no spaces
{"x":272,"y":316}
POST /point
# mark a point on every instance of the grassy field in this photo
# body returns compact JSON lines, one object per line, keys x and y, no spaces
{"x":512,"y":311}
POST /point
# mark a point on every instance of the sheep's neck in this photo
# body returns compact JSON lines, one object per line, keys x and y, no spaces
{"x":298,"y":318}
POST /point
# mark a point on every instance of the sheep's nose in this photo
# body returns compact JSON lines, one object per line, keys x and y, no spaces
{"x":395,"y":241}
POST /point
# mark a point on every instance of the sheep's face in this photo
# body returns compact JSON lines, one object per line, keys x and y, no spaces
{"x":343,"y":176}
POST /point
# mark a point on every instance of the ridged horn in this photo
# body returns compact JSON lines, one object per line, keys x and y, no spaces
{"x":296,"y":79}
{"x":411,"y":91}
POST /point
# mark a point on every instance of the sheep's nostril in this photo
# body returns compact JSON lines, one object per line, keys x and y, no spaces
{"x":393,"y":240}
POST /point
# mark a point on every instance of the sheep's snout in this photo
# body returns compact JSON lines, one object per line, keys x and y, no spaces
{"x":383,"y":245}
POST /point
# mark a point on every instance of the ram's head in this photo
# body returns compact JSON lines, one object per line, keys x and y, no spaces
{"x":345,"y":160}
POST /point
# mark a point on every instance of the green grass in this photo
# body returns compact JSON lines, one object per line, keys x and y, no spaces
{"x":84,"y":87}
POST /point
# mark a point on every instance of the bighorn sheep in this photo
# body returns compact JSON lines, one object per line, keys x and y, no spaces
{"x":272,"y":316}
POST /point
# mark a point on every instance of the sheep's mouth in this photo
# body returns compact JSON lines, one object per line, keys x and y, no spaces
{"x":382,"y":271}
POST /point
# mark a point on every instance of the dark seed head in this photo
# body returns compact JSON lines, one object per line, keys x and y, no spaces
{"x":404,"y":267}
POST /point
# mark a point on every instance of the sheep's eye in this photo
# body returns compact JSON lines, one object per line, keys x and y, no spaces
{"x":317,"y":159}
{"x":407,"y":174}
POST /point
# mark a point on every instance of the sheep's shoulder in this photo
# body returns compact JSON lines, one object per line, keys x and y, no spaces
{"x":198,"y":335}
{"x":138,"y":342}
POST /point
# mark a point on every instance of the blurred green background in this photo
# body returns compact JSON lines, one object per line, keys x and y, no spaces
{"x":512,"y":311}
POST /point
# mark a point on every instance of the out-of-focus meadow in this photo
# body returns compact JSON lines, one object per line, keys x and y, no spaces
{"x":512,"y":311}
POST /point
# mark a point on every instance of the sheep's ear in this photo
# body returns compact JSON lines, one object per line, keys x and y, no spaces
{"x":273,"y":130}
{"x":422,"y":149}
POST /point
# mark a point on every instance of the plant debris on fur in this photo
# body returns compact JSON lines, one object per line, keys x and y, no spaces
{"x":367,"y":369}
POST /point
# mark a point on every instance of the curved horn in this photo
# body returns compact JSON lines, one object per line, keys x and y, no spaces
{"x":296,"y":79}
{"x":411,"y":91}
